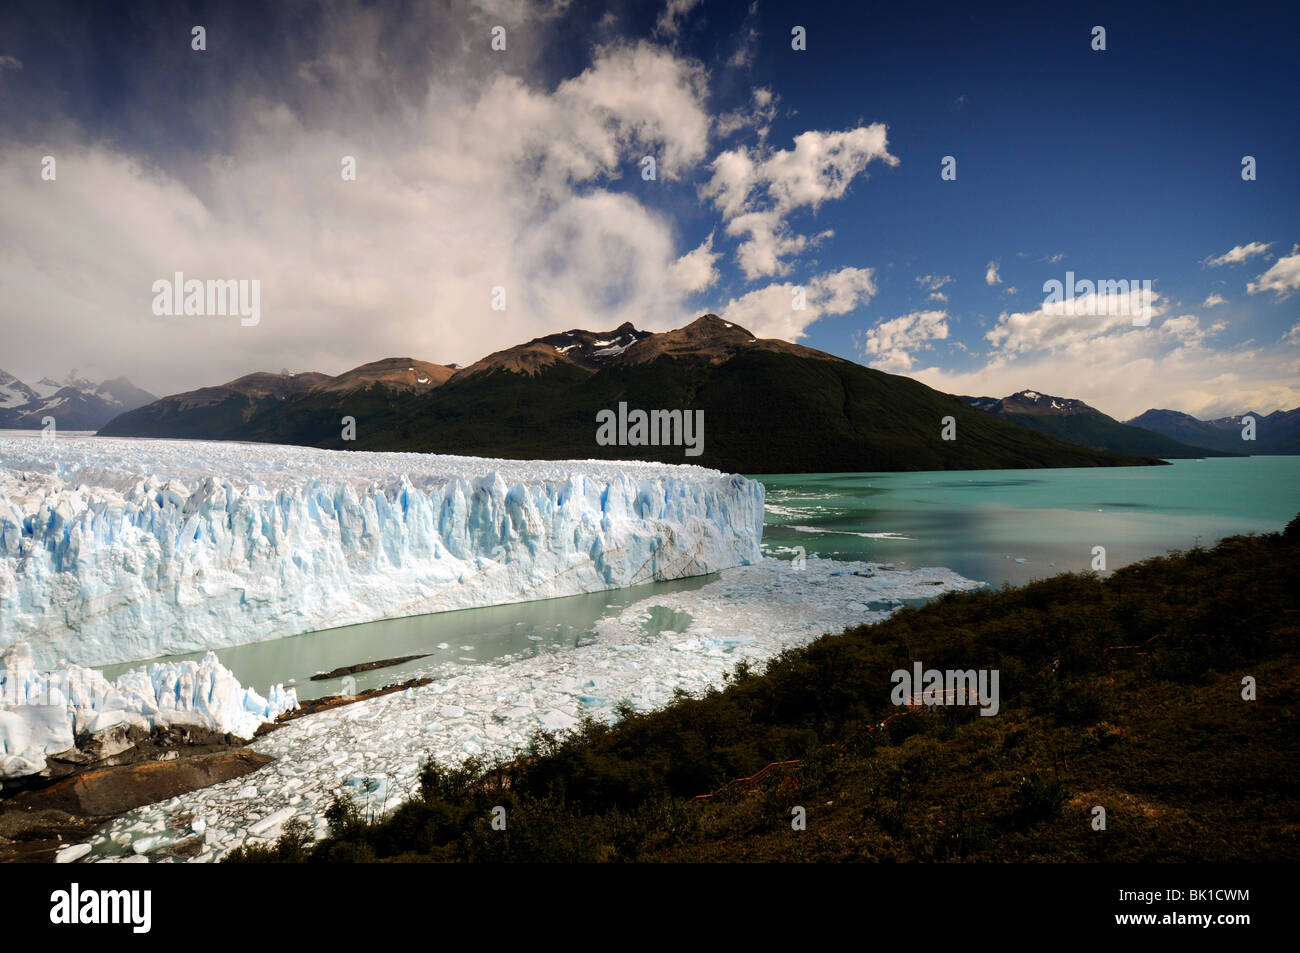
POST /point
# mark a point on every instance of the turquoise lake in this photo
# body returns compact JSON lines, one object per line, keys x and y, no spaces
{"x":982,"y":523}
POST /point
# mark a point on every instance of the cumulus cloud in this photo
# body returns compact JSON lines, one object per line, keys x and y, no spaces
{"x":757,"y":189}
{"x":1126,"y":374}
{"x":991,"y":276}
{"x":491,"y":180}
{"x":889,"y":345}
{"x":695,"y":271}
{"x":770,"y":311}
{"x":1187,"y":328}
{"x":1282,"y":278}
{"x":1122,"y":370}
{"x":1214,"y":300}
{"x":1072,"y":322}
{"x":1238,"y":254}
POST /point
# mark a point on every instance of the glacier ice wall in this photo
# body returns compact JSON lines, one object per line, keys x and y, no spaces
{"x":43,"y":713}
{"x":114,"y":550}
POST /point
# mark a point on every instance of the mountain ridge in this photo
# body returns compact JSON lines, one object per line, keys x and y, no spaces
{"x":1072,"y":420}
{"x":768,"y":406}
{"x":1275,"y":433}
{"x":75,"y":403}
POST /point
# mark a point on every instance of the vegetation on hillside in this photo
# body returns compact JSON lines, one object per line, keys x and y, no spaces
{"x":1123,"y":692}
{"x":764,"y":412}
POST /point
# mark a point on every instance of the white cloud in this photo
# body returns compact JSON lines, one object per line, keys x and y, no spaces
{"x":991,"y":276}
{"x":769,"y":311}
{"x":1214,"y":300}
{"x":933,"y":282}
{"x":1105,"y":361}
{"x":670,"y":21}
{"x":1282,"y":278}
{"x":494,"y":181}
{"x":1125,"y":374}
{"x":743,"y":55}
{"x":1187,"y":329}
{"x":757,"y":116}
{"x":1238,"y":254}
{"x":756,"y":190}
{"x":889,"y":344}
{"x":695,"y":270}
{"x":1069,"y":323}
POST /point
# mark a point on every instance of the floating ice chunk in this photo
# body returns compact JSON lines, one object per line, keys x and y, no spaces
{"x":273,"y":820}
{"x":555,"y":720}
{"x":67,"y":855}
{"x":47,"y":710}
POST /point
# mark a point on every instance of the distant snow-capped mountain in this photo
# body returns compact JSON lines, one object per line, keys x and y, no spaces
{"x":13,"y":392}
{"x":75,"y":403}
{"x":1070,"y":419}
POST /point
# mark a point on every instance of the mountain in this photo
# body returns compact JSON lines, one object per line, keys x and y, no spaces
{"x":75,"y":403}
{"x":14,"y":393}
{"x":768,"y":407}
{"x":249,"y":407}
{"x":1275,"y":433}
{"x":1069,"y":419}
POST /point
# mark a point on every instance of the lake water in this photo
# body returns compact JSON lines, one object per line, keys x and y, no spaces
{"x":982,"y":523}
{"x":993,"y":525}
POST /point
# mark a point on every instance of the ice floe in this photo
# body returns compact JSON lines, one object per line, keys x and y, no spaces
{"x":373,"y":749}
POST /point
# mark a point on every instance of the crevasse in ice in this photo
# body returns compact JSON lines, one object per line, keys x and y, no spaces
{"x":114,"y":550}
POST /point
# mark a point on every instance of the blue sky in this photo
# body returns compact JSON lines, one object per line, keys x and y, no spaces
{"x":776,"y":170}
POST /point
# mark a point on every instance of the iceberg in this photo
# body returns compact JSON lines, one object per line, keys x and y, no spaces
{"x":114,"y":550}
{"x":44,"y":713}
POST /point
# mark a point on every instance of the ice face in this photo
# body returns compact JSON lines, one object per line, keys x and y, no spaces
{"x":114,"y":550}
{"x":42,"y":713}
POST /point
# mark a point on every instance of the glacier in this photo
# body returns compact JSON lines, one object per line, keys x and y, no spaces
{"x":44,"y":713}
{"x":120,"y":549}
